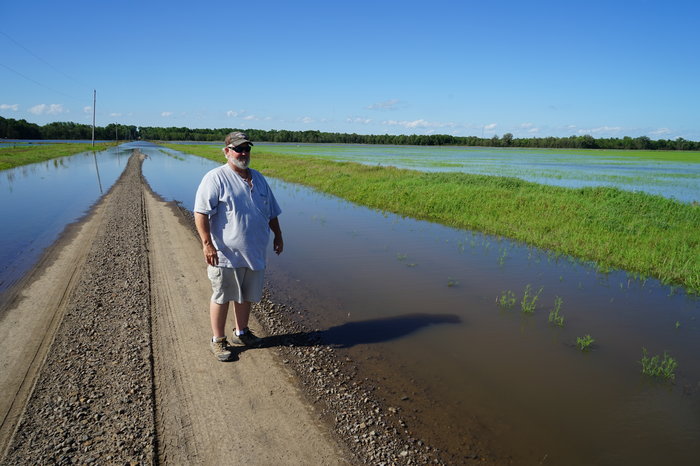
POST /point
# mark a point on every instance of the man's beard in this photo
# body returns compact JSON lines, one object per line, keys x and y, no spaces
{"x":241,"y":163}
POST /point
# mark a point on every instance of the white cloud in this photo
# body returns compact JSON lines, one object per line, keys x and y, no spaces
{"x":233,"y":113}
{"x":250,"y":117}
{"x":51,"y":109}
{"x":420,"y":123}
{"x":87,"y":109}
{"x":166,"y":114}
{"x":364,"y":121}
{"x":13,"y":107}
{"x":533,"y":130}
{"x":601,"y":129}
{"x":386,"y":105}
{"x":490,"y":126}
{"x":307,"y":120}
{"x":660,"y":131}
{"x":527,"y":125}
{"x":115,"y":114}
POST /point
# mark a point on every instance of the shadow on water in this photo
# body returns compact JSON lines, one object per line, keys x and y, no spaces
{"x":363,"y":332}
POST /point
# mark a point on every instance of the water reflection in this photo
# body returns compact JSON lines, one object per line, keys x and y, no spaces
{"x":97,"y":170}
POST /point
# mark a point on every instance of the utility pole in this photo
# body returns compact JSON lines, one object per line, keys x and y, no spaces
{"x":94,"y":101}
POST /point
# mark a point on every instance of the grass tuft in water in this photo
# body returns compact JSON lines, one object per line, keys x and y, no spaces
{"x":554,"y":316}
{"x":584,"y":343}
{"x":529,"y":301}
{"x":506,"y":300}
{"x":657,"y":366}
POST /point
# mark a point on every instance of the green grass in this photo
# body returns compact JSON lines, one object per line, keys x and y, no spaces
{"x":11,"y":157}
{"x":657,"y":366}
{"x":643,"y":234}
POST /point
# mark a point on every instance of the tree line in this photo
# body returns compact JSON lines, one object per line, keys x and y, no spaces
{"x":21,"y":129}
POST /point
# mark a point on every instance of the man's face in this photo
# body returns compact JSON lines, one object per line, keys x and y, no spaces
{"x":239,"y":155}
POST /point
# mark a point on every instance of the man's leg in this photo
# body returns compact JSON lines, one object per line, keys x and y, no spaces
{"x":218,"y":314}
{"x":241,"y":312}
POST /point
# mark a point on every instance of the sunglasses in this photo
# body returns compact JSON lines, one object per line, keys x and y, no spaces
{"x":239,"y":149}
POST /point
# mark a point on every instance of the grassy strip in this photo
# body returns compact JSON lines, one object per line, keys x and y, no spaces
{"x":11,"y":157}
{"x":637,"y":232}
{"x":660,"y":155}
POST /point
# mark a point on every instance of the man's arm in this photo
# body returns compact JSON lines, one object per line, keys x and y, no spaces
{"x":277,"y":243}
{"x":201,"y":221}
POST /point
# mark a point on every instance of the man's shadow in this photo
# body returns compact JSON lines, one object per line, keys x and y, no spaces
{"x":364,"y":332}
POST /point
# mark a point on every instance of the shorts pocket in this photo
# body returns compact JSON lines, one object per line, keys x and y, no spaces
{"x":215,"y":275}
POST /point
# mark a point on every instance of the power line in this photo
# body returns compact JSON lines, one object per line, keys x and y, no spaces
{"x":44,"y":61}
{"x":40,"y":84}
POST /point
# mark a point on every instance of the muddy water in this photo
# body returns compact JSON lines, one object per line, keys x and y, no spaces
{"x":37,"y":201}
{"x":525,"y":380}
{"x":413,"y":304}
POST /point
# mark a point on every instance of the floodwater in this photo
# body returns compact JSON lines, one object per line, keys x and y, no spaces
{"x":37,"y":201}
{"x":414,"y":305}
{"x":571,"y":169}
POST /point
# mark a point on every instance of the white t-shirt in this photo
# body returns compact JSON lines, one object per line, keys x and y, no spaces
{"x":238,"y":216}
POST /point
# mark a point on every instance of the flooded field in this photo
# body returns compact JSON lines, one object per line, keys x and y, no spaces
{"x":668,"y":174}
{"x":414,"y":304}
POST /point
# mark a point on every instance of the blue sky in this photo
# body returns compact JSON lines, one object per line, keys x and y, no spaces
{"x":540,"y":68}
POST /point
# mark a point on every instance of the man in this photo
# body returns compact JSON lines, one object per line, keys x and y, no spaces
{"x":234,"y":211}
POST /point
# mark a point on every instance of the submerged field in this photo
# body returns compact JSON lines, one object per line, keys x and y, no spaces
{"x":669,"y":174}
{"x":11,"y":157}
{"x":641,"y":233}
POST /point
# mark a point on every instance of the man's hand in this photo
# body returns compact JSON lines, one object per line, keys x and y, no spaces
{"x":211,"y":255}
{"x":278,"y":244}
{"x":201,"y":221}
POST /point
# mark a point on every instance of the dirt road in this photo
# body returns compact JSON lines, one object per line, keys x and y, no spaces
{"x":104,"y":356}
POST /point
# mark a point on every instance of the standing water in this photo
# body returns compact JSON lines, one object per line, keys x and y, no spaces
{"x":37,"y":201}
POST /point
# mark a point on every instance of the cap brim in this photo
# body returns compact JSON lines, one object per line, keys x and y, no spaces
{"x":238,"y":142}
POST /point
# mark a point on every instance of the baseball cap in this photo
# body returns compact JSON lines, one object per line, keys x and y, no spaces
{"x":237,"y":138}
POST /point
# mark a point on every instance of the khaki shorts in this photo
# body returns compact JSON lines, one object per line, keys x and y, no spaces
{"x":239,"y":284}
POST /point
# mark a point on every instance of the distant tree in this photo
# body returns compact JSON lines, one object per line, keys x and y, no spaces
{"x":507,"y":139}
